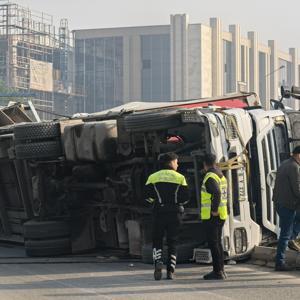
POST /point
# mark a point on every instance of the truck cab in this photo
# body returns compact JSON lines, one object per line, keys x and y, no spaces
{"x":225,"y":132}
{"x":276,"y":133}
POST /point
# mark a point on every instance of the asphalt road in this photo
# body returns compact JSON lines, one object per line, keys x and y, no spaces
{"x":124,"y":281}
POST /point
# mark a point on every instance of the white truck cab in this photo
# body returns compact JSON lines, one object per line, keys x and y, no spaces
{"x":250,"y":145}
{"x":231,"y":131}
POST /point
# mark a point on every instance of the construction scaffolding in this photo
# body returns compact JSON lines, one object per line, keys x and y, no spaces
{"x":33,"y":57}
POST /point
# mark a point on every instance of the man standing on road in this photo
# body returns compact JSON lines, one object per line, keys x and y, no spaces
{"x":286,"y":196}
{"x":214,"y":213}
{"x":167,"y":191}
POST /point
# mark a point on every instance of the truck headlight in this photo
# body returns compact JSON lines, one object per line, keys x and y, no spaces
{"x":240,"y":240}
{"x":226,"y":244}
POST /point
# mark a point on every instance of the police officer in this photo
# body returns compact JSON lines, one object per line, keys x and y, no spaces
{"x":214,"y":213}
{"x":167,"y":191}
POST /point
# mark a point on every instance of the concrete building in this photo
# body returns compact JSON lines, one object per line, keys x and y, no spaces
{"x":35,"y":58}
{"x":176,"y":62}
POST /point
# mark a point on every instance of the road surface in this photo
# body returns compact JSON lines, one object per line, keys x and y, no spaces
{"x":122,"y":280}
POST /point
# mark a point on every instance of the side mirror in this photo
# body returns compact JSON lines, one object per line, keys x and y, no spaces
{"x":285,"y":93}
{"x":277,"y":104}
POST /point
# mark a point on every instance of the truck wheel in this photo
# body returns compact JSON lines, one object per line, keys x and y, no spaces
{"x":46,"y":229}
{"x":47,"y":149}
{"x":36,"y":131}
{"x":138,"y":122}
{"x":51,"y":247}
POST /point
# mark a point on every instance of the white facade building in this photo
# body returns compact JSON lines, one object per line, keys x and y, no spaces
{"x":176,"y":62}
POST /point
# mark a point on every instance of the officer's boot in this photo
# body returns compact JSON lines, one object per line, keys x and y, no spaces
{"x":171,"y":266}
{"x":158,"y":263}
{"x":224,"y":274}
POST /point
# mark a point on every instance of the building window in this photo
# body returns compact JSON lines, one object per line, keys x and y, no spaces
{"x":228,"y":74}
{"x":285,"y":79}
{"x":155,"y":73}
{"x":284,"y":76}
{"x":262,"y":78}
{"x":243,"y":64}
{"x":146,"y":64}
{"x":99,"y":72}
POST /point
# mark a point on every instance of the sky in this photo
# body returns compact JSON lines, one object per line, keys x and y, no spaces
{"x":272,"y":19}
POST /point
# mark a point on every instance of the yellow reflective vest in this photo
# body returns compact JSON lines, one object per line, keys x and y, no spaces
{"x":166,"y":184}
{"x":168,"y":176}
{"x":207,"y":197}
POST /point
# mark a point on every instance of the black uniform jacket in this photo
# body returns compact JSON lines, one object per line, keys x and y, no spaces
{"x":167,"y":190}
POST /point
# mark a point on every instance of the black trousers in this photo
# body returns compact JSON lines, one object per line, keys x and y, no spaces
{"x":213,"y":228}
{"x":166,"y":223}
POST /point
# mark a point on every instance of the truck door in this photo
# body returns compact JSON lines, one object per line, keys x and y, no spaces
{"x":244,"y":233}
{"x":272,"y":146}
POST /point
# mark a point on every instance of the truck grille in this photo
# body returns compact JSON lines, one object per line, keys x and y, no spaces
{"x":202,"y":256}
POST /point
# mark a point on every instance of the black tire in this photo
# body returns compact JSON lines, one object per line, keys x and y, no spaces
{"x":36,"y":131}
{"x":46,"y":229}
{"x":47,"y":149}
{"x":138,"y":122}
{"x":51,"y":247}
{"x":184,"y":253}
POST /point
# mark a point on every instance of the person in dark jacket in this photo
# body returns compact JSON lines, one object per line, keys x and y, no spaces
{"x":167,"y":191}
{"x":286,"y":196}
{"x":214,"y":212}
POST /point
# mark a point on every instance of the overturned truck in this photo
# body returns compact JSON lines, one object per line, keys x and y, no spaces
{"x":72,"y":185}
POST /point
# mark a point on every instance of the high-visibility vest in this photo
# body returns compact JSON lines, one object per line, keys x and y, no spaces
{"x":166,"y":176}
{"x":206,"y":197}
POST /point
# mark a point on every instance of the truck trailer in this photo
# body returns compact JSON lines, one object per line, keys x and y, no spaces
{"x":75,"y":184}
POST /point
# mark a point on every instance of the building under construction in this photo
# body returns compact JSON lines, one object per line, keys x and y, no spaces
{"x":36,"y":58}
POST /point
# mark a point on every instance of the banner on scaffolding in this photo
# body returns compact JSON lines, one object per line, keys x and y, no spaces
{"x":41,"y":75}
